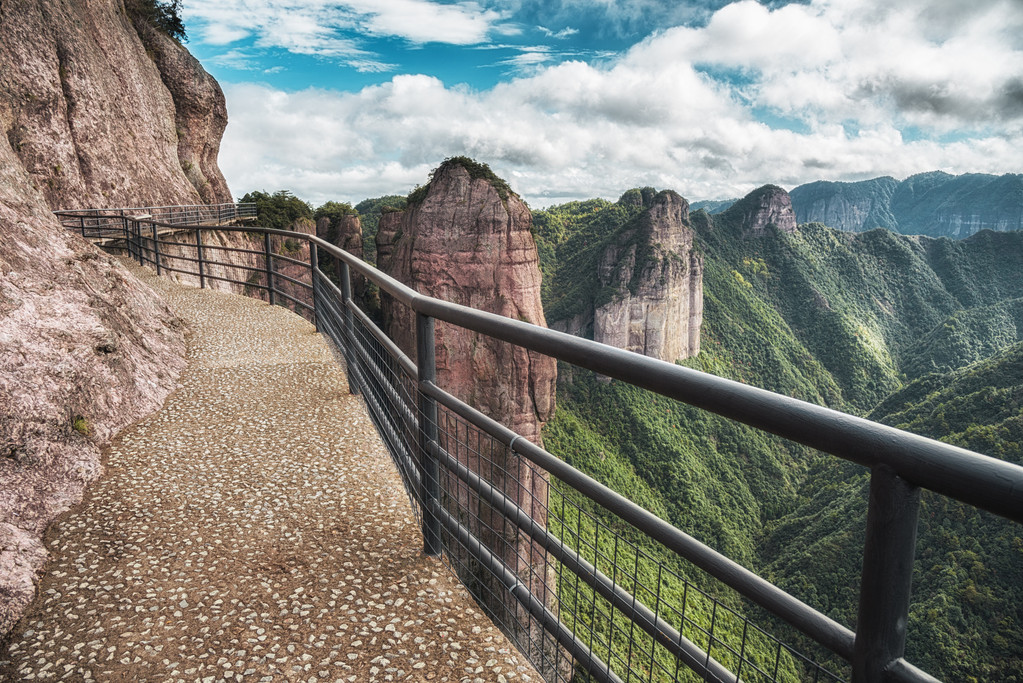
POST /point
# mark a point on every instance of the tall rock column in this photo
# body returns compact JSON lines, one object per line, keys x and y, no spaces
{"x":467,"y":240}
{"x":656,"y":280}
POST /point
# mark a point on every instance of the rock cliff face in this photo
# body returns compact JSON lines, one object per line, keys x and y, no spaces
{"x":200,"y":113}
{"x":96,"y":112}
{"x":848,"y":206}
{"x":942,"y":205}
{"x":935,"y":204}
{"x":387,"y":233}
{"x":656,"y":280}
{"x":346,"y":233}
{"x":99,"y":117}
{"x":85,"y":350}
{"x":766,"y":206}
{"x":465,"y":243}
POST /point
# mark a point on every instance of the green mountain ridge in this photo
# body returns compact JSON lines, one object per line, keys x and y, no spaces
{"x":862,"y":322}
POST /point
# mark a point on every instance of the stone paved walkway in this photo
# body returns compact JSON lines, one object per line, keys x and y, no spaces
{"x":254,"y":529}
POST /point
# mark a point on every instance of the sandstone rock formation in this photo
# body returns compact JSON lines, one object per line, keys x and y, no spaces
{"x":387,"y":233}
{"x":767,"y":205}
{"x":467,"y":240}
{"x":655,"y":277}
{"x":96,"y":112}
{"x":344,"y":232}
{"x":200,"y":113}
{"x":465,"y":244}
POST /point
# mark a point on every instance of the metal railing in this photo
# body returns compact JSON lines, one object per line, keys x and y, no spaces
{"x":585,"y":582}
{"x":109,"y":224}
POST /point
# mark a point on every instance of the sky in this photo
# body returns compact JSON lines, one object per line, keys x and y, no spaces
{"x":575,"y":99}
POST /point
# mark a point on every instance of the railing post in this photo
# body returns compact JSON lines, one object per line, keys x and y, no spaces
{"x":314,"y":267}
{"x":888,"y":555}
{"x":137,"y":227}
{"x":156,"y":248}
{"x":127,"y":235}
{"x":199,"y":256}
{"x":81,"y":221}
{"x":349,"y":323}
{"x":268,"y":255}
{"x":429,"y":494}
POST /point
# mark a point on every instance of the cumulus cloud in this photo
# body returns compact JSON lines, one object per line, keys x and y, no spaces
{"x":930,"y":64}
{"x":869,"y":88}
{"x":334,"y":28}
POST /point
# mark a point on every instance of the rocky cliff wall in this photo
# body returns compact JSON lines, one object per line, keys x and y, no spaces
{"x":935,"y":204}
{"x":656,"y":282}
{"x":387,"y":233}
{"x":344,"y":232}
{"x":99,"y":116}
{"x":767,"y":205}
{"x":848,"y":206}
{"x":85,"y":350}
{"x":95,"y":111}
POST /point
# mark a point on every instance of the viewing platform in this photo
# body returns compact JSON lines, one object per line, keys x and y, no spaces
{"x":253,"y":529}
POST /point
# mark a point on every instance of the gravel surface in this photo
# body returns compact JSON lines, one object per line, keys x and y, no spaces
{"x":253,"y":529}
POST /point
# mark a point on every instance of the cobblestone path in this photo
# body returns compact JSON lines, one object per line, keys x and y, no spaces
{"x":254,"y":529}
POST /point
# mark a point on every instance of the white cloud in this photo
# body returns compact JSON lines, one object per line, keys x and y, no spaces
{"x":684,"y":109}
{"x":529,"y":58}
{"x":335,"y":29}
{"x":237,"y":59}
{"x":563,"y":33}
{"x":424,"y":22}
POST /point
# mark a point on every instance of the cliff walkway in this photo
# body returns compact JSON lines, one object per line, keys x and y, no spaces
{"x":253,"y":529}
{"x":106,"y":227}
{"x":303,"y":555}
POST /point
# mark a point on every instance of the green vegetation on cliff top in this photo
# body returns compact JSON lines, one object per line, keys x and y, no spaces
{"x":163,"y":16}
{"x":476,"y":169}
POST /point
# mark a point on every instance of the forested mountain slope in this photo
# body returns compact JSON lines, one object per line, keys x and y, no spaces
{"x":966,"y":619}
{"x":858,"y":322}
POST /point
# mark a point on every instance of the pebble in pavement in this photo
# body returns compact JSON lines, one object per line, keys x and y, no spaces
{"x":253,"y":529}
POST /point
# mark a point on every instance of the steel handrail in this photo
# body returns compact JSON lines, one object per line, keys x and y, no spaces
{"x":249,"y":206}
{"x":979,"y":480}
{"x":901,"y":462}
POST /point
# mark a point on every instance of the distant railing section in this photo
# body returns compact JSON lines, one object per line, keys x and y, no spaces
{"x":110,"y":224}
{"x":588,"y":584}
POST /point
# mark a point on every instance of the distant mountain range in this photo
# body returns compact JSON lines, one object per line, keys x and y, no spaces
{"x":935,"y":204}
